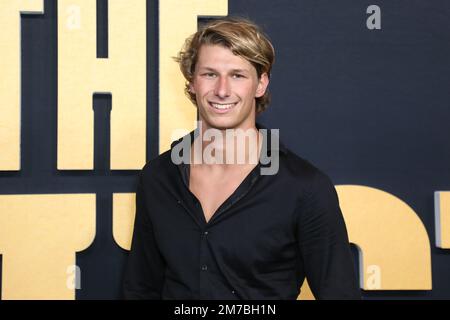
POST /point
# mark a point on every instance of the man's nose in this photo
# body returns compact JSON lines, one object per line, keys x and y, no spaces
{"x":222,"y":88}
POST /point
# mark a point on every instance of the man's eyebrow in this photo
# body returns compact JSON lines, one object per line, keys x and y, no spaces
{"x":207,"y":69}
{"x":232,"y":70}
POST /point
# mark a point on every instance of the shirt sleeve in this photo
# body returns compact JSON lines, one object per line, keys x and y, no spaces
{"x":144,"y":272}
{"x":327,"y":258}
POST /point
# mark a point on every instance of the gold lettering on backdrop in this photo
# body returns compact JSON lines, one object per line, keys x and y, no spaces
{"x":393,"y":243}
{"x":81,"y":74}
{"x":124,"y":207}
{"x":178,"y":20}
{"x":10,"y":78}
{"x":39,"y":236}
{"x":442,"y":218}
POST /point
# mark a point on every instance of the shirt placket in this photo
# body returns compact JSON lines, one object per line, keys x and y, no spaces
{"x":204,"y":264}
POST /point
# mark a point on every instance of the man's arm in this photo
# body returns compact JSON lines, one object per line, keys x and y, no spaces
{"x":144,"y":273}
{"x":324,"y":244}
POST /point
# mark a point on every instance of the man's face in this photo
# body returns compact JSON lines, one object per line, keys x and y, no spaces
{"x":226,"y":86}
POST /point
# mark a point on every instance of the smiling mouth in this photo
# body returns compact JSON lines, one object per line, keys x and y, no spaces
{"x":222,"y":106}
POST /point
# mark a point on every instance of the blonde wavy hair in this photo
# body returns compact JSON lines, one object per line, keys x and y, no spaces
{"x":243,"y":37}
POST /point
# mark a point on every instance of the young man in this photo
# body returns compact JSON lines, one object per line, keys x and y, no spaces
{"x":218,"y":228}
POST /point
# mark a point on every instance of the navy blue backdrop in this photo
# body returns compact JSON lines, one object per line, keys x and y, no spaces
{"x":368,"y":107}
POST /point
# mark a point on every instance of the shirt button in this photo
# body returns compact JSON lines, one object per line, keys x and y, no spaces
{"x":205,"y":233}
{"x":204,"y":267}
{"x":233,"y":292}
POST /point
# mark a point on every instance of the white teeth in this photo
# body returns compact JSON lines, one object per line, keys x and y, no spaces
{"x":222,"y":106}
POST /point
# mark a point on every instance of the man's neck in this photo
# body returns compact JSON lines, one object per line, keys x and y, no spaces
{"x":225,"y":149}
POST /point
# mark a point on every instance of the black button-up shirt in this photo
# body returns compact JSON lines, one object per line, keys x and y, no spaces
{"x":260,"y":243}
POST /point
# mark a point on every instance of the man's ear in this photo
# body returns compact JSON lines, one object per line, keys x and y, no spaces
{"x":262,"y":85}
{"x":191,"y":88}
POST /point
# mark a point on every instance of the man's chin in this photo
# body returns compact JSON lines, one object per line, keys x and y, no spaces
{"x":221,"y":124}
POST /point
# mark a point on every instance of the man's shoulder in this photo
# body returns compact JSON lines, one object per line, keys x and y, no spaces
{"x":158,"y":165}
{"x":303,"y":171}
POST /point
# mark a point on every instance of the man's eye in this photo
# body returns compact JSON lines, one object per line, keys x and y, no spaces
{"x":209,"y":75}
{"x":237,"y":76}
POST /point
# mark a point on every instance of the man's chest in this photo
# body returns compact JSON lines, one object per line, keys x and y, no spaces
{"x":256,"y":229}
{"x":214,"y":189}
